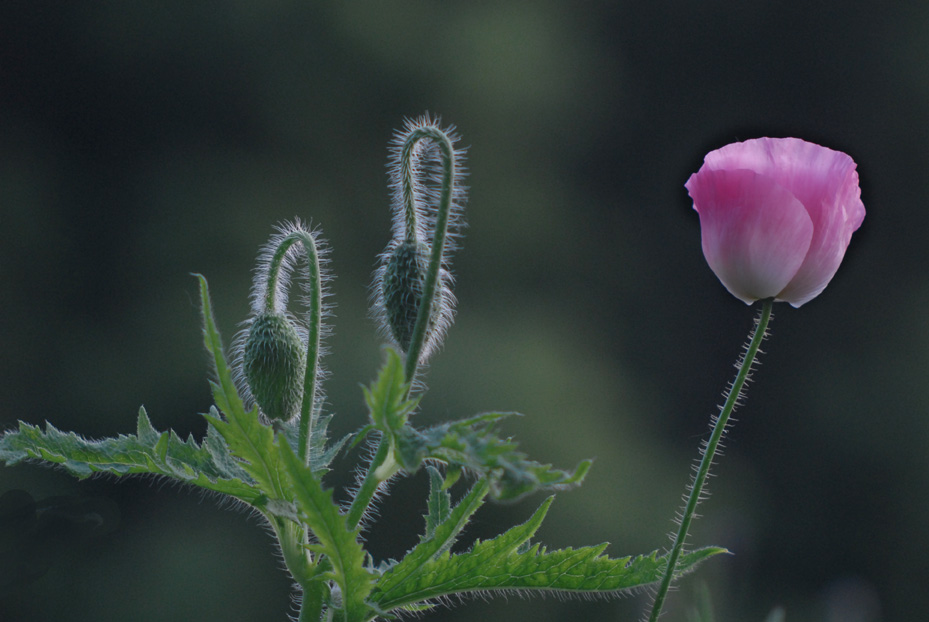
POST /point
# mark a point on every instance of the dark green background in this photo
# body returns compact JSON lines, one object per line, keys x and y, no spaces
{"x":142,"y":141}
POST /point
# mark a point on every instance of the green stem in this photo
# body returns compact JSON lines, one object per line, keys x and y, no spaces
{"x":709,"y":453}
{"x":407,"y":190}
{"x":311,"y":606}
{"x":314,"y":325}
{"x":372,"y":479}
{"x":438,"y":239}
{"x":293,"y":539}
{"x":368,"y":485}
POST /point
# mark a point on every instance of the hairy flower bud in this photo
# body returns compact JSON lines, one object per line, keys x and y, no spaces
{"x":274,"y":362}
{"x":426,"y":179}
{"x":404,"y":276}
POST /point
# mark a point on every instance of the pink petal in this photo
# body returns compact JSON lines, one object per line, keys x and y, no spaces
{"x":824,"y":181}
{"x":755,"y":232}
{"x":833,"y":200}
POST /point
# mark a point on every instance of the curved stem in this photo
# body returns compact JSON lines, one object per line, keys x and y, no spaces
{"x":373,"y":479}
{"x":441,"y":139}
{"x":373,"y":476}
{"x":709,"y":452}
{"x":407,"y":189}
{"x":314,"y":324}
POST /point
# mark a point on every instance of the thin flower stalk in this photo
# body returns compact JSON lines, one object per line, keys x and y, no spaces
{"x":733,"y":397}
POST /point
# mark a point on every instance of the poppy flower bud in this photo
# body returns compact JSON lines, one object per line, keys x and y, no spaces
{"x":402,"y":286}
{"x":776,"y":216}
{"x":274,"y":362}
{"x":426,"y":175}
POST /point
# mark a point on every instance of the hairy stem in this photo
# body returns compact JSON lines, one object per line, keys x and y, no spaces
{"x":709,"y":452}
{"x":408,"y":172}
{"x":368,"y":486}
{"x":293,"y":539}
{"x":373,"y":478}
{"x":314,"y":324}
{"x":311,"y":605}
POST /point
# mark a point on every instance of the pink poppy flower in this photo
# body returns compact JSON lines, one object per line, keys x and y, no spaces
{"x":776,"y":215}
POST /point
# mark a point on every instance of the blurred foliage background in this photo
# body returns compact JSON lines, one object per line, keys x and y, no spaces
{"x":143,"y":141}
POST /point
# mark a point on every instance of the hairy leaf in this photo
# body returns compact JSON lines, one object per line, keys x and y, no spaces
{"x":439,"y":503}
{"x":473,"y":444}
{"x":506,"y":563}
{"x":320,"y":455}
{"x":340,"y":545}
{"x":224,"y":391}
{"x":148,"y":451}
{"x":470,"y":444}
{"x":387,"y":397}
{"x":430,"y":546}
{"x":250,"y":439}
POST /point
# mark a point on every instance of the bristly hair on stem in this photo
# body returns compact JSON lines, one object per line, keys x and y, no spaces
{"x":426,"y":175}
{"x":278,"y":260}
{"x":695,"y":492}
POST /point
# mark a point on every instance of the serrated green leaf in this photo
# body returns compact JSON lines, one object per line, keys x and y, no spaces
{"x":474,"y":445}
{"x":507,"y":563}
{"x":248,"y":438}
{"x":387,"y":399}
{"x":470,"y":444}
{"x":252,"y":441}
{"x":339,"y":544}
{"x":224,"y":391}
{"x":320,"y":455}
{"x":147,"y":451}
{"x":393,"y":582}
{"x":439,"y":503}
{"x":214,"y":443}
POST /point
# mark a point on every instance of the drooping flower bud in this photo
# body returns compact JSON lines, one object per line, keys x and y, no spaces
{"x":402,"y":287}
{"x":426,"y":178}
{"x":274,"y":362}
